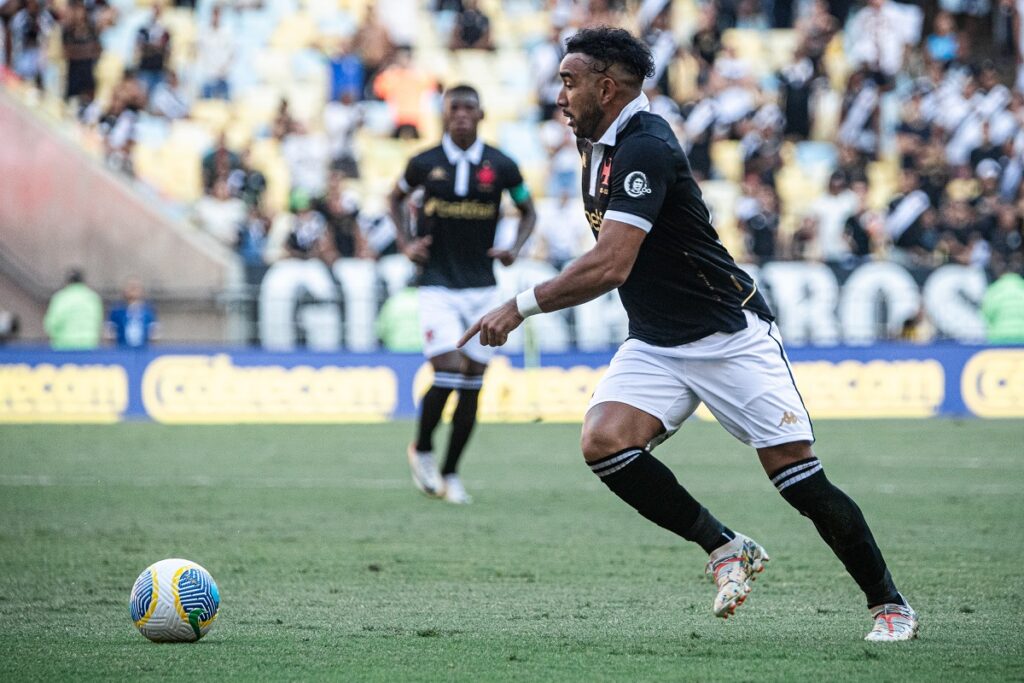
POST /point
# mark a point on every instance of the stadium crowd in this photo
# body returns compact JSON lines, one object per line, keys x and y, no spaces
{"x":831,"y":131}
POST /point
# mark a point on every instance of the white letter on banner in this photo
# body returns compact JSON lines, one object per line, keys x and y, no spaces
{"x":358,"y":278}
{"x":805,"y":297}
{"x":551,"y":331}
{"x":865,"y":289}
{"x":952,"y":296}
{"x":282,"y":287}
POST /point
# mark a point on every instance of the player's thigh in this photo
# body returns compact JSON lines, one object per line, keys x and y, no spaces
{"x":751,"y":391}
{"x":472,"y":305}
{"x":650,"y":384}
{"x":440,"y":322}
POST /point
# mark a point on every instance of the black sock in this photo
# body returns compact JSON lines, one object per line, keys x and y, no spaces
{"x":462,"y":424}
{"x":432,"y":406}
{"x":842,"y":526}
{"x":645,"y":483}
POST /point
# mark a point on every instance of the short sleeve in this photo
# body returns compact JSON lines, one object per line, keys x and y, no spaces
{"x":642,"y":172}
{"x":415,"y":175}
{"x":512,"y":180}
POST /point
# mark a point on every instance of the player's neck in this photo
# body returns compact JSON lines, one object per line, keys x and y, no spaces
{"x":463,"y":142}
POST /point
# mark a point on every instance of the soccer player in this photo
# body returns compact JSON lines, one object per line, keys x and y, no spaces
{"x":698,"y":331}
{"x":462,"y":181}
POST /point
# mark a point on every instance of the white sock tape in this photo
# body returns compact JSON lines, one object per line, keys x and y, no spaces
{"x":526,"y":302}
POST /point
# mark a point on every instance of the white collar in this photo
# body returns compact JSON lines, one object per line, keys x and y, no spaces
{"x":455,"y":153}
{"x":641,"y":103}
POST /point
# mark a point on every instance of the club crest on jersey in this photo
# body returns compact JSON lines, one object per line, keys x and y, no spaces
{"x":636,"y":184}
{"x":485,"y":177}
{"x":437,"y":173}
{"x":606,"y":176}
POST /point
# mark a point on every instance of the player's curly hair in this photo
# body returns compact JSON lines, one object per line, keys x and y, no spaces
{"x":608,"y":46}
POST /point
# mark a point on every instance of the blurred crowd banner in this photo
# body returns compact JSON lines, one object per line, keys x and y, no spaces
{"x":222,"y":387}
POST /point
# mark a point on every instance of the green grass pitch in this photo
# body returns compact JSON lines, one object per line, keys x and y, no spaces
{"x":332,"y":567}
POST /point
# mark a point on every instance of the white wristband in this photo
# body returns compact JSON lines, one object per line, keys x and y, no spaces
{"x":526,"y":302}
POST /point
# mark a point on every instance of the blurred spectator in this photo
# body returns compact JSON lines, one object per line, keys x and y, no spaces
{"x":132,"y":323}
{"x":861,"y":121}
{"x":74,"y":318}
{"x":374,"y":46}
{"x":656,"y":29}
{"x":30,"y":32}
{"x":758,"y":214}
{"x":398,"y":323}
{"x":815,"y":31}
{"x":1003,"y":309}
{"x":119,"y":124}
{"x":308,"y":236}
{"x":472,"y":30}
{"x":215,"y":53}
{"x":563,"y":156}
{"x":252,"y":243}
{"x":218,"y":163}
{"x":707,"y":40}
{"x":342,"y":118}
{"x":879,"y":34}
{"x":962,"y":235}
{"x":219,"y":214}
{"x":865,"y":229}
{"x":796,"y":83}
{"x":152,"y":49}
{"x":405,"y":88}
{"x":345,"y":73}
{"x":340,"y":210}
{"x":1007,"y":238}
{"x":830,"y":213}
{"x":168,"y":99}
{"x":245,"y":182}
{"x":910,"y":221}
{"x":306,"y":155}
{"x":545,"y":58}
{"x":80,"y":36}
{"x":942,"y":45}
{"x":10,"y":325}
{"x":734,"y":89}
{"x":283,"y":123}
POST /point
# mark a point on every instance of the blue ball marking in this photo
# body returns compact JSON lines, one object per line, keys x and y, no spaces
{"x":197,"y":590}
{"x":142,"y":595}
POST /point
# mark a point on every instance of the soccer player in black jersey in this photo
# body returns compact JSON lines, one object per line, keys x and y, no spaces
{"x":462,"y":181}
{"x":698,"y":331}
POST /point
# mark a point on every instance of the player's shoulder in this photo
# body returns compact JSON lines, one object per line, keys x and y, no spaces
{"x":650,"y":130}
{"x":431,"y":155}
{"x":496,"y":156}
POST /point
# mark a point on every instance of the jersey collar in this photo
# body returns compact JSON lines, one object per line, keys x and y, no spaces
{"x":641,"y":103}
{"x":455,"y":153}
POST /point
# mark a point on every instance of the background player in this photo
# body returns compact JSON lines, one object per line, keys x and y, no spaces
{"x":698,"y":331}
{"x":462,"y":181}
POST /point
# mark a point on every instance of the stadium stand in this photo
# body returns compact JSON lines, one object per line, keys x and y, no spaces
{"x":921,"y":111}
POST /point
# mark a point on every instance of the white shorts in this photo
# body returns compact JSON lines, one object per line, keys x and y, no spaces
{"x":446,"y":314}
{"x":744,"y":378}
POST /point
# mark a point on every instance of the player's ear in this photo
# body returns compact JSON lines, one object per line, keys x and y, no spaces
{"x":607,"y":87}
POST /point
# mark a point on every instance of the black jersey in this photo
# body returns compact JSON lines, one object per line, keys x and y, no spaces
{"x":684,"y":285}
{"x":461,"y":221}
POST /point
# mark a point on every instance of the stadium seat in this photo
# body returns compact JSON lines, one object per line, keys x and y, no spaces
{"x":727,"y":158}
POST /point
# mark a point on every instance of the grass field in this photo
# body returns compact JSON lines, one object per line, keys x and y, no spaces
{"x":331,"y":566}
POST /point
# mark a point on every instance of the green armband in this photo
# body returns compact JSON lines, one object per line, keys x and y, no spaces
{"x":519,"y":193}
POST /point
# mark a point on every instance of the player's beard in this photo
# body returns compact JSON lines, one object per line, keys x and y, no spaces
{"x":588,"y":118}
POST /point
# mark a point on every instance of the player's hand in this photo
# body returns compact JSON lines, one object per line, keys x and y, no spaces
{"x":495,"y":326}
{"x":506,"y":256}
{"x":418,"y":251}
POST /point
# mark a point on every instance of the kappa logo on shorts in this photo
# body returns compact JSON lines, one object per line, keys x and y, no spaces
{"x":636,"y":184}
{"x":789,"y":418}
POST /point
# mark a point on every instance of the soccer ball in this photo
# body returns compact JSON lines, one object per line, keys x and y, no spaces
{"x":174,"y":600}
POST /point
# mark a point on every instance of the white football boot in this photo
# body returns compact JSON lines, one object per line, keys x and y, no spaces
{"x":733,"y":567}
{"x":893,"y":623}
{"x":454,"y":491}
{"x":424,"y":471}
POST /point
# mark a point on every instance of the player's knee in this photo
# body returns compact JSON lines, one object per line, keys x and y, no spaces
{"x":597,"y":442}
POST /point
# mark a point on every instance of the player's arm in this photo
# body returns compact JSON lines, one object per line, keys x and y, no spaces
{"x":597,"y":272}
{"x":527,"y":220}
{"x":415,"y":249}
